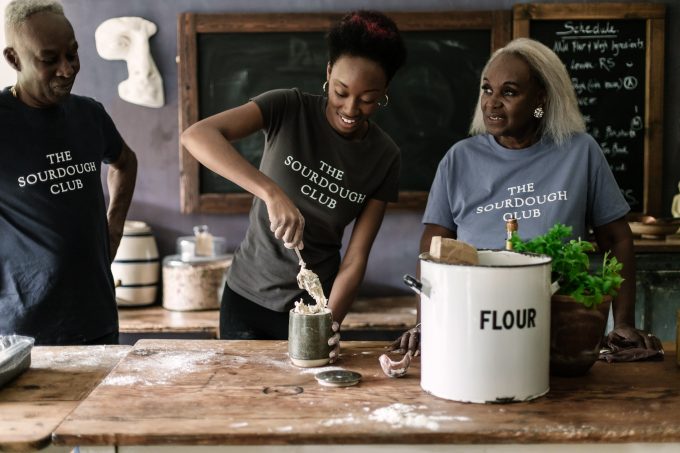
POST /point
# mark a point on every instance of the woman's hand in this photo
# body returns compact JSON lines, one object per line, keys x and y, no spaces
{"x":334,"y":343}
{"x":409,"y":341}
{"x":286,"y":220}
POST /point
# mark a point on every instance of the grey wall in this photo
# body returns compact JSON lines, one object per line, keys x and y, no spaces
{"x":153,"y":133}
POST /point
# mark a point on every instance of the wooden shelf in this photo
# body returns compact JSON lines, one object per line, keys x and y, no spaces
{"x":392,"y":314}
{"x":655,"y":245}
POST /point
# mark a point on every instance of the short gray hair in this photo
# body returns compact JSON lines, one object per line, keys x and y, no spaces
{"x":562,"y":116}
{"x":17,"y":11}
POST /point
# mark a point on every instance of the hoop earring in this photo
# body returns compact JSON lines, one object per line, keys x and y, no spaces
{"x":324,"y":87}
{"x":539,"y":112}
{"x":387,"y":101}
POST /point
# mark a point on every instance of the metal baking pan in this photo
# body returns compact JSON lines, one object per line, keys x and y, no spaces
{"x":15,"y":356}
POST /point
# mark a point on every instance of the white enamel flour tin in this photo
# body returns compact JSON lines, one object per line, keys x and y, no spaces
{"x":485,"y":329}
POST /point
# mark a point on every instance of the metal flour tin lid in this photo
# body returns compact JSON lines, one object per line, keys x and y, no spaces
{"x":338,"y":378}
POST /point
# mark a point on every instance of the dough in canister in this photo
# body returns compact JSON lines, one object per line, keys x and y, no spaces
{"x":309,"y":281}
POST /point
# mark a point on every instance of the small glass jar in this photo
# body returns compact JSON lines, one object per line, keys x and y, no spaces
{"x":191,"y":246}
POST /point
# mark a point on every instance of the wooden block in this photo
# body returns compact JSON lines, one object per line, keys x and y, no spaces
{"x":451,"y":251}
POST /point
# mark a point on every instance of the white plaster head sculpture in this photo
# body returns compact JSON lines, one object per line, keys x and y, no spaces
{"x":127,"y":38}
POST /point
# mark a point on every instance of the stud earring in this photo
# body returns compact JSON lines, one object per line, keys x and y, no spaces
{"x":539,"y":112}
{"x":387,"y":101}
{"x":324,"y":87}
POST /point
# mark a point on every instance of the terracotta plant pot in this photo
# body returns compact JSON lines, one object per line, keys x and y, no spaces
{"x":575,"y":335}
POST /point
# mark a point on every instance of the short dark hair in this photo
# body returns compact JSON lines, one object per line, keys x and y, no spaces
{"x":368,"y":34}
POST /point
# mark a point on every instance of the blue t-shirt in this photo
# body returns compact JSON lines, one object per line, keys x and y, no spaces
{"x":55,"y":274}
{"x":479,"y":185}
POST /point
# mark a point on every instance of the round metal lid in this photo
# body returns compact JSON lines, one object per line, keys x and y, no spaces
{"x":338,"y":378}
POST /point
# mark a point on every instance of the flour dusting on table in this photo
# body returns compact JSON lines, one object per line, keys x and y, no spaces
{"x":81,"y":357}
{"x":123,"y":380}
{"x":347,"y":420}
{"x":165,"y":366}
{"x":319,"y":369}
{"x":403,"y":415}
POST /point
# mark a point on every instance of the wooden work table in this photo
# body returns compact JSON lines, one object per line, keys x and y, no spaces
{"x":33,"y":404}
{"x":234,"y":393}
{"x":368,"y":318}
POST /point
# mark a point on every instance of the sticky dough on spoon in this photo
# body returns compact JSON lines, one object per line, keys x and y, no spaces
{"x":309,"y":281}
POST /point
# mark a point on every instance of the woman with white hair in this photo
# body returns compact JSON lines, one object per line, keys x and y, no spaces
{"x":529,"y":158}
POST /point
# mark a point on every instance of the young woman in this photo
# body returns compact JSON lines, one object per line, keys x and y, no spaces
{"x":325,"y":164}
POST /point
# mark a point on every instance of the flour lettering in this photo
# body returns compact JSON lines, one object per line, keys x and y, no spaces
{"x":509,"y":319}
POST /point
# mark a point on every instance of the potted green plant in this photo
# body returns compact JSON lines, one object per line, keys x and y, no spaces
{"x":580,"y":308}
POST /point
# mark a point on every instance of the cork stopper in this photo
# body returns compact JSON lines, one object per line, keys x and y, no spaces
{"x":510,"y":226}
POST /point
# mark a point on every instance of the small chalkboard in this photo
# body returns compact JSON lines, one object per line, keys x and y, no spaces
{"x":614,"y":55}
{"x":227,"y":59}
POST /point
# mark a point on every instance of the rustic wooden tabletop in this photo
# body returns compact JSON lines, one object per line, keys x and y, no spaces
{"x":33,"y":404}
{"x":207,"y":392}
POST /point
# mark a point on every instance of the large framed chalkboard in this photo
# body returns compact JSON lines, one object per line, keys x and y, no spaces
{"x":225,"y":59}
{"x":614,"y":53}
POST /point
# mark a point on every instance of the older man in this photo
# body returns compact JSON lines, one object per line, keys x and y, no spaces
{"x":57,"y":238}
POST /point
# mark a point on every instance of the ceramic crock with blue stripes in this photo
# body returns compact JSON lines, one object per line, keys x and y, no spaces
{"x":136,"y":267}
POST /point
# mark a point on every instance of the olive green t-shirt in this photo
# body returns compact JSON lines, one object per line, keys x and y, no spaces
{"x":328,"y":177}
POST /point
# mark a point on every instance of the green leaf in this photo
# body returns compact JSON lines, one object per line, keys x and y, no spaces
{"x":571,"y":264}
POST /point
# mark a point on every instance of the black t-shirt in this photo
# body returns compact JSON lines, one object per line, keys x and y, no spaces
{"x":55,"y":274}
{"x":328,"y":177}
